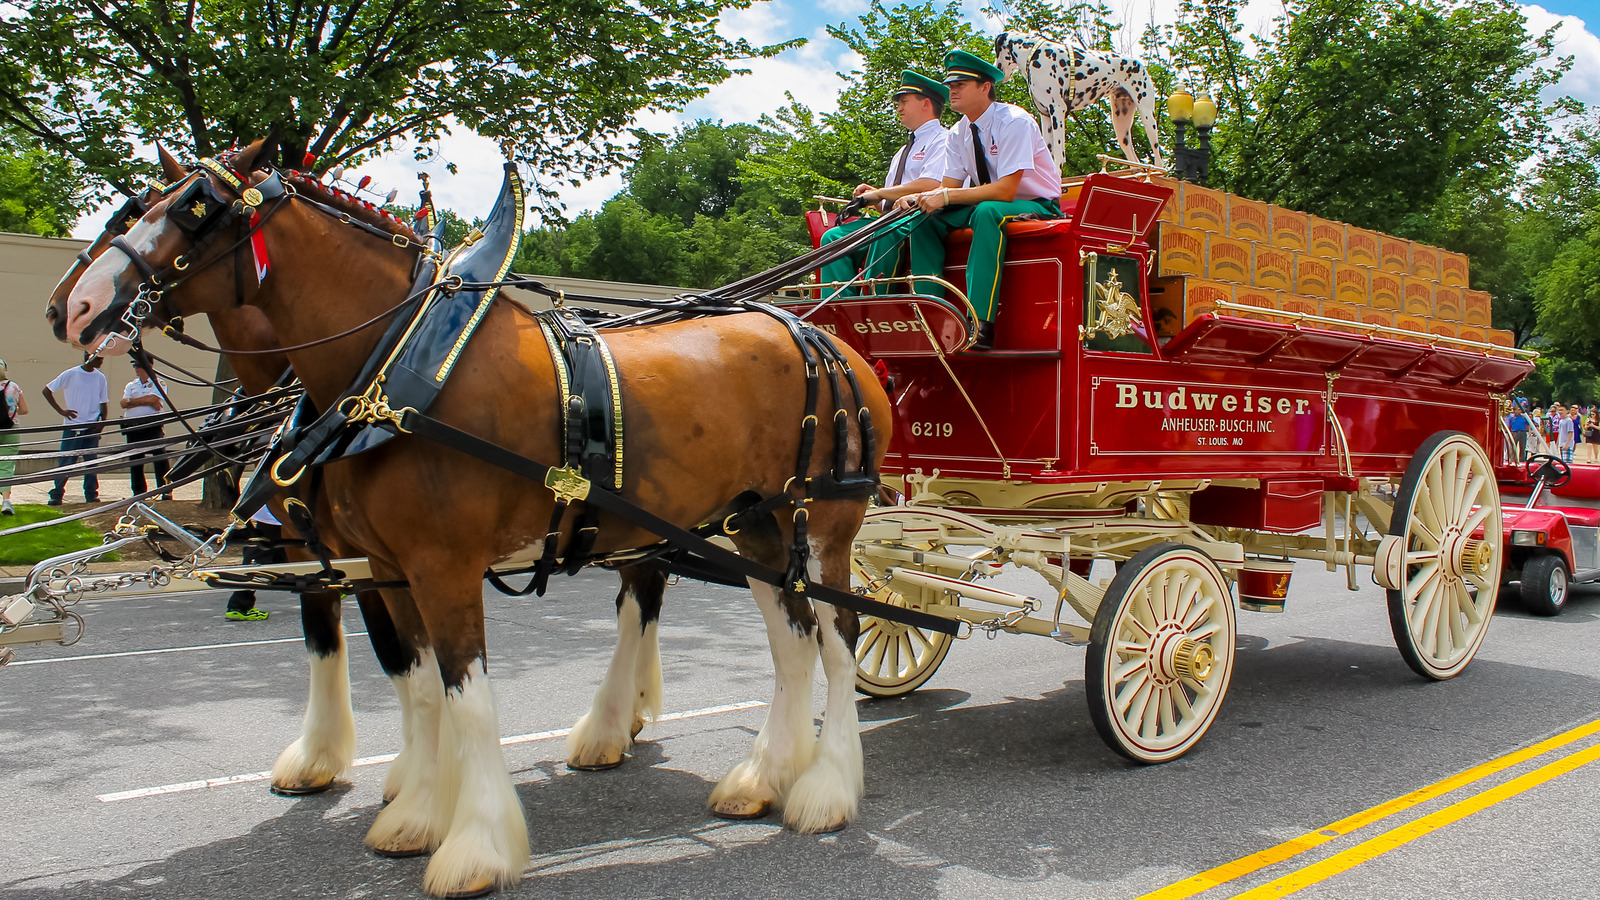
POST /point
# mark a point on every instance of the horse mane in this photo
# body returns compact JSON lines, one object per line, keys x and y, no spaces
{"x":366,"y":211}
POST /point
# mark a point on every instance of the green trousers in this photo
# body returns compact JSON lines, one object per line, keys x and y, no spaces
{"x":846,"y":267}
{"x":924,"y":239}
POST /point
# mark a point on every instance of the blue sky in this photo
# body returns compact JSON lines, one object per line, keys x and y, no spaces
{"x":808,"y":73}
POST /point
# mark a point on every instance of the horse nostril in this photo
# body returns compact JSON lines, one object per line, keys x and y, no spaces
{"x":50,"y":314}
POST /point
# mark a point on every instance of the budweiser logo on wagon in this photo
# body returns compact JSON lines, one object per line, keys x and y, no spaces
{"x":1138,"y":416}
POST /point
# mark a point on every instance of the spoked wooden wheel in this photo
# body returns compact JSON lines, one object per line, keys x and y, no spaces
{"x":1442,"y":560}
{"x":894,"y":659}
{"x":1160,"y":653}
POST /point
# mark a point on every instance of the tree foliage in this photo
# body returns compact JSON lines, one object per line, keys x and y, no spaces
{"x":39,"y":191}
{"x":557,"y":81}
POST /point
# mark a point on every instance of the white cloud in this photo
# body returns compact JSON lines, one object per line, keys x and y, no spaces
{"x":1576,"y":40}
{"x":843,"y":7}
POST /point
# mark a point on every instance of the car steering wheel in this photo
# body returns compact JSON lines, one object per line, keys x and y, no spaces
{"x":1553,"y":470}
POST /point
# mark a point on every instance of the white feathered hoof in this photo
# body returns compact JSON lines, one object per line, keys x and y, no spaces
{"x":407,"y":826}
{"x":472,"y":863}
{"x":824,"y":799}
{"x":299,"y":772}
{"x":744,"y":794}
{"x":594,"y":747}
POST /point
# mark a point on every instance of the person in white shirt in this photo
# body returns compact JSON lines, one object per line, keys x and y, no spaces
{"x":14,"y":405}
{"x":141,"y":399}
{"x":82,"y":406}
{"x":918,"y":166}
{"x":999,"y":149}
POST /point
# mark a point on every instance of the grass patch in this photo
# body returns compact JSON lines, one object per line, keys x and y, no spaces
{"x":30,"y":547}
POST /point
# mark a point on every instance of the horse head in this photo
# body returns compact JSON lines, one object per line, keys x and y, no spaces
{"x":196,"y":209}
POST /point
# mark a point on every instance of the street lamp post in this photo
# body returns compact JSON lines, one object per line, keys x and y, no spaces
{"x":1192,"y":163}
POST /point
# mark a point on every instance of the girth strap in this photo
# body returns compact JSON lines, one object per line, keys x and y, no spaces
{"x":563,"y":481}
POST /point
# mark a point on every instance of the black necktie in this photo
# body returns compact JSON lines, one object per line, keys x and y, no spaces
{"x":905,"y":154}
{"x":977,"y":154}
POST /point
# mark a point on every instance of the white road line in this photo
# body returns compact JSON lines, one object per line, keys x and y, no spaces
{"x":531,"y":736}
{"x":40,"y":662}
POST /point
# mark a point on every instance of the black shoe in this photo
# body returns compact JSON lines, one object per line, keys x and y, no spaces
{"x":94,"y":499}
{"x":985,"y":339}
{"x":52,"y":501}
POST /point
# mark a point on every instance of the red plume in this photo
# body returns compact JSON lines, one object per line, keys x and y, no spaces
{"x":365,"y":180}
{"x":309,"y":160}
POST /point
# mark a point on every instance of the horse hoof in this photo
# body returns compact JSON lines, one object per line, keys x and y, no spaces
{"x":638,"y":726}
{"x":298,"y":789}
{"x":829,"y":829}
{"x":595,"y":767}
{"x":400,"y":852}
{"x":741,"y":810}
{"x":479,"y":888}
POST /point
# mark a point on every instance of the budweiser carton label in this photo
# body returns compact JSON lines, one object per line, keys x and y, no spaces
{"x":1183,"y":251}
{"x":1373,"y":316}
{"x":1201,"y":295}
{"x":1295,"y":303}
{"x":1204,"y":208}
{"x":1425,"y":261}
{"x":1169,"y":210}
{"x":1313,"y":276}
{"x":1228,"y":259}
{"x":1274,"y":268}
{"x":1501,"y":338}
{"x":1335,"y":309}
{"x":1447,"y":304}
{"x":1326,"y":239}
{"x":1351,"y":283}
{"x":1362,"y":247}
{"x":1418,"y":298}
{"x":1473,"y":333}
{"x":1387,"y":290}
{"x":1452,"y":269}
{"x":1290,"y":229}
{"x":1442,"y":327}
{"x":1257,"y":297}
{"x":1476,"y":308}
{"x":1394,"y":255}
{"x":1249,"y":220}
{"x":1409,"y":322}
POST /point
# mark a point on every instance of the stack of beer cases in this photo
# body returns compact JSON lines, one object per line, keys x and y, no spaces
{"x":1211,"y":246}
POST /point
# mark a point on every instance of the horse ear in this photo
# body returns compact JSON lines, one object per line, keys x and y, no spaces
{"x":256,"y":156}
{"x":171,"y":171}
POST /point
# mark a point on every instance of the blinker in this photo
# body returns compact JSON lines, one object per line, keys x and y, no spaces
{"x":126,"y":216}
{"x":197,"y":208}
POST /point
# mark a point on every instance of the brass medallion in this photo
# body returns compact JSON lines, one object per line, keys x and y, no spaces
{"x":1116,"y":311}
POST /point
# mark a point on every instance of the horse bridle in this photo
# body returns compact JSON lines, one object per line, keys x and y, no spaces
{"x":201,"y":213}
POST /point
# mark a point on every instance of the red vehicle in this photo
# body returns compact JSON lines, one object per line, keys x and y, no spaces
{"x":1552,"y":535}
{"x":1202,"y":462}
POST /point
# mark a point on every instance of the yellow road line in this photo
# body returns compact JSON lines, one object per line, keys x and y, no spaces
{"x":1404,"y":834}
{"x":1293,"y":847}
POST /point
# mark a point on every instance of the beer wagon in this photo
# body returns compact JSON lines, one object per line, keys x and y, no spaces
{"x":1203,"y":460}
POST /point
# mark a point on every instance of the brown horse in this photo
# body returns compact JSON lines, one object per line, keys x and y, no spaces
{"x":630,"y":695}
{"x":437,"y":518}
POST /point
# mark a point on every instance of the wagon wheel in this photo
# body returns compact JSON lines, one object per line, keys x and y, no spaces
{"x":1432,"y":562}
{"x":894,"y":659}
{"x":1160,"y":653}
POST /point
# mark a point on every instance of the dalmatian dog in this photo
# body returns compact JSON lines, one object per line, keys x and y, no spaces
{"x":1064,"y":79}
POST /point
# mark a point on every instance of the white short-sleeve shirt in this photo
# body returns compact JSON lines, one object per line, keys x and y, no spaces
{"x":929,"y":155}
{"x":1011,"y":143}
{"x":82,"y":391}
{"x":137,"y":388}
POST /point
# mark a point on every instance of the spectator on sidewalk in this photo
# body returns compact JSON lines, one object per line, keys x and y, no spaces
{"x":12,"y":405}
{"x":1517,"y":424}
{"x":82,"y":406}
{"x":141,"y":399}
{"x":262,"y":547}
{"x":1566,"y":433}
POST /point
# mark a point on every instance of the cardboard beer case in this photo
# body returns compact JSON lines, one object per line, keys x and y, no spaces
{"x":1313,"y":276}
{"x":1418,"y":298}
{"x":1362,"y":247}
{"x":1229,"y":259}
{"x":1425,"y":261}
{"x":1476,"y":308}
{"x":1387,"y":290}
{"x":1394,"y":255}
{"x":1351,"y":283}
{"x":1453,"y":269}
{"x":1274,"y":268}
{"x":1249,"y":220}
{"x":1181,"y":251}
{"x":1447,"y":303}
{"x":1290,"y":230}
{"x":1204,"y":208}
{"x":1326,"y":238}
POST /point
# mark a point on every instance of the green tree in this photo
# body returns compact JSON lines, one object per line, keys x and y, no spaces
{"x":40,"y":192}
{"x":1368,"y":111}
{"x":556,"y":81}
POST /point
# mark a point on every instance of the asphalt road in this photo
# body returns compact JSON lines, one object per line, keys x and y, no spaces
{"x":990,"y":782}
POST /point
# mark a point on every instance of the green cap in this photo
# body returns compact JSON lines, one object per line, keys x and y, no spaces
{"x":959,"y":65}
{"x":918,"y":83}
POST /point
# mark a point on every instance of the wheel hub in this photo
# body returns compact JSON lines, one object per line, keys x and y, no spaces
{"x":1462,"y":555}
{"x":1179,"y":656}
